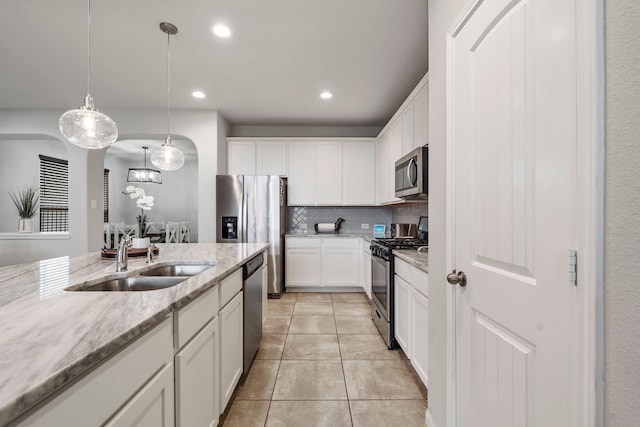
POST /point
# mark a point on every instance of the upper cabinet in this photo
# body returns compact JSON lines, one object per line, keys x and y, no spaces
{"x":328,"y":173}
{"x":421,"y":117}
{"x":302,"y":174}
{"x":271,"y":158}
{"x":359,"y":178}
{"x":242,"y":158}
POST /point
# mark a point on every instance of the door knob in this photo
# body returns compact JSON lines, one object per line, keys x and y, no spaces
{"x":458,"y":278}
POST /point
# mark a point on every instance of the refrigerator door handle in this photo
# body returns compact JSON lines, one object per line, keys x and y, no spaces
{"x":245,"y":217}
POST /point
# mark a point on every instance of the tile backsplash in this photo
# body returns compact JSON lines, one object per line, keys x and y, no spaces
{"x":354,"y":217}
{"x":409,"y":213}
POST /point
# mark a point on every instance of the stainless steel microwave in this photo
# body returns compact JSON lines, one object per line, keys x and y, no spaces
{"x":412,"y":178}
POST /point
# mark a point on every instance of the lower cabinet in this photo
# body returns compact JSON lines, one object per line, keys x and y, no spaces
{"x":231,"y":359}
{"x":365,"y":268}
{"x":151,"y":406}
{"x":317,"y":262}
{"x":133,"y":388}
{"x":402,"y":316}
{"x":420,"y":334}
{"x":197,"y":378}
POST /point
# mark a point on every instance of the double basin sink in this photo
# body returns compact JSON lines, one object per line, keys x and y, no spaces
{"x":160,"y":277}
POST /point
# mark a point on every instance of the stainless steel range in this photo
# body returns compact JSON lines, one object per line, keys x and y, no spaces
{"x":382,"y":286}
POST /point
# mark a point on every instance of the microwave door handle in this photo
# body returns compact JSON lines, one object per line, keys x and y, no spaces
{"x":412,"y":166}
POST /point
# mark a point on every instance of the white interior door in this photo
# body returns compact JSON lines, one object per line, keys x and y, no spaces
{"x":512,"y":75}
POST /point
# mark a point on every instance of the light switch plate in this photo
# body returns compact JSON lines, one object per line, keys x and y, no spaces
{"x":364,"y":226}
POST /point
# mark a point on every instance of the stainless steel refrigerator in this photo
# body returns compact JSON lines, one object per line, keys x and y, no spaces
{"x":253,"y":209}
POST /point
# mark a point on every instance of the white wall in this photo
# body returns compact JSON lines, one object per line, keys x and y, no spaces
{"x":20,"y":166}
{"x":622,"y":214}
{"x":441,"y":16}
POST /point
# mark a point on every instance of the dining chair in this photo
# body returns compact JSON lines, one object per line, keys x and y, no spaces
{"x":185,"y":232}
{"x":156,"y":231}
{"x":107,"y":235}
{"x":173,"y":232}
{"x":122,"y":229}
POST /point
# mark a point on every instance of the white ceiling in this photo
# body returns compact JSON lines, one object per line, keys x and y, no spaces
{"x":282,"y":54}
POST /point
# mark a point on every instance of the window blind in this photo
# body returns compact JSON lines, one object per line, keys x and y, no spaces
{"x":54,"y":194}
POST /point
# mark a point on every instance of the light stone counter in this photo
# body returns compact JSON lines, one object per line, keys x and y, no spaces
{"x":50,"y":336}
{"x":417,"y":259}
{"x":313,"y":234}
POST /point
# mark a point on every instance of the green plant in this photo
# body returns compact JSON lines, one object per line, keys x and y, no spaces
{"x":26,"y":201}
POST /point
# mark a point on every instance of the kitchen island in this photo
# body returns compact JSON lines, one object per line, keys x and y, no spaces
{"x":51,"y":337}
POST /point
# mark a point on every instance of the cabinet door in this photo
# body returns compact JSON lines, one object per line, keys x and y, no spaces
{"x":340,"y":262}
{"x":152,"y":406}
{"x":382,"y":170}
{"x":402,"y":316}
{"x":421,"y":116}
{"x":302,"y":173}
{"x":395,"y":152}
{"x":303,"y":267}
{"x":271,"y":158}
{"x":359,"y":186}
{"x":407,"y":130}
{"x":197,"y":377}
{"x":329,"y":173}
{"x":242,"y":158}
{"x":365,"y":271}
{"x":420,"y":334}
{"x":231,"y":358}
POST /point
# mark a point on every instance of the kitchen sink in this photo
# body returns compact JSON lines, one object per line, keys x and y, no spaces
{"x":136,"y":283}
{"x":177,"y":270}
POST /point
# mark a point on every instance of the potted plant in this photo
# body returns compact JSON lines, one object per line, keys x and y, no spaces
{"x":26,"y":202}
{"x":145,"y":203}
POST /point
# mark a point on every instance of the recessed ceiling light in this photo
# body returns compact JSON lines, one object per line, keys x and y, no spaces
{"x":221,"y":30}
{"x":326,"y":95}
{"x":198,"y":94}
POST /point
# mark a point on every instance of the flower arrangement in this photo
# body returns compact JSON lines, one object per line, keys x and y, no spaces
{"x":143,"y":202}
{"x":26,"y":201}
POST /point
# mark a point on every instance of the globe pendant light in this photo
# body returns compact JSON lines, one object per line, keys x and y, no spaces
{"x":167,"y":157}
{"x":144,"y":174}
{"x":87,"y":127}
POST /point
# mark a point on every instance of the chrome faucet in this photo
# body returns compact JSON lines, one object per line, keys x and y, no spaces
{"x":122,"y":257}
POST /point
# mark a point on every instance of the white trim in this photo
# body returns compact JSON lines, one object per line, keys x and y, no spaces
{"x":590,"y":188}
{"x":34,"y":236}
{"x":429,"y":419}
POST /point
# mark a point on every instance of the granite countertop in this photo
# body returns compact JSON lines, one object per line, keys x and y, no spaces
{"x":313,"y":234}
{"x":417,"y":259}
{"x":51,"y":336}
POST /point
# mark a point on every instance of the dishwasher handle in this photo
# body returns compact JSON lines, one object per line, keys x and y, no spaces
{"x":252,"y":266}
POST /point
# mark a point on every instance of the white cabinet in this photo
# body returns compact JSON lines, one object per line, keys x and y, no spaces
{"x":241,"y":158}
{"x":329,"y":173}
{"x":421,"y":117}
{"x":143,"y":374}
{"x":271,"y":158}
{"x":365,"y":267}
{"x":407,"y":130}
{"x":359,"y":180}
{"x":302,"y":174}
{"x":402,"y":316}
{"x":231,"y":358}
{"x":420,"y":334}
{"x":197,"y":376}
{"x":303,"y":262}
{"x":319,"y":262}
{"x":340,"y":262}
{"x":394,"y":142}
{"x":383,"y":179}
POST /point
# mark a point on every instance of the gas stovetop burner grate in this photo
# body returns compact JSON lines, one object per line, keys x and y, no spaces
{"x":401,"y":243}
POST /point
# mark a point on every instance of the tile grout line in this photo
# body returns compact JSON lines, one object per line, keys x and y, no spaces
{"x":344,"y":377}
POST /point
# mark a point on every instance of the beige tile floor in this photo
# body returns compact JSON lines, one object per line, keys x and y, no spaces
{"x":322,"y":362}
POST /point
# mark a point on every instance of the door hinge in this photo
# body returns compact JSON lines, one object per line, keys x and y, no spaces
{"x":573,"y":267}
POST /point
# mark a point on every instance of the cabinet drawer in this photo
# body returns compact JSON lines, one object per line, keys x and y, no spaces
{"x":402,"y":269}
{"x":193,"y":317}
{"x":230,"y":286}
{"x":420,"y":281}
{"x":303,"y":242}
{"x":339,"y":242}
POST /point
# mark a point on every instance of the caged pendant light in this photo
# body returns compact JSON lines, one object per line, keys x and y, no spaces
{"x":144,"y":174}
{"x":87,"y":127}
{"x":167,"y":157}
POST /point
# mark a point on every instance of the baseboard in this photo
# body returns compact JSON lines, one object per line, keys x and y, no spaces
{"x":429,"y":419}
{"x":334,"y":289}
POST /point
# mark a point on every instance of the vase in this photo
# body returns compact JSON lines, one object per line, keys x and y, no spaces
{"x":25,"y":225}
{"x":140,"y":242}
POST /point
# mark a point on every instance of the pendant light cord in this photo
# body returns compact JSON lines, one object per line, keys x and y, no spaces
{"x":168,"y":82}
{"x":88,"y":47}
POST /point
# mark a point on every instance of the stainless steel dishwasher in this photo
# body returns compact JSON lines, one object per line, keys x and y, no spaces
{"x":252,"y":287}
